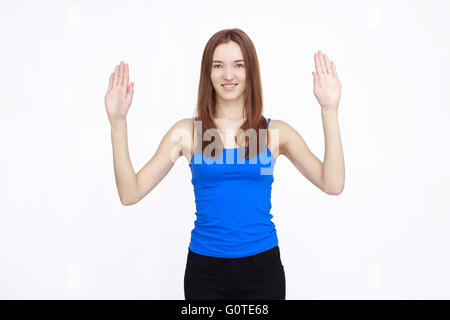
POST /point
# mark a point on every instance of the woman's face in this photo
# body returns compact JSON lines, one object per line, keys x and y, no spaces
{"x":228,"y":66}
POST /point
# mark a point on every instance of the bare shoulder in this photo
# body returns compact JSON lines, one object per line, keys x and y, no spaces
{"x":184,"y":123}
{"x":278,"y":131}
{"x":184,"y":133}
{"x":290,"y":139}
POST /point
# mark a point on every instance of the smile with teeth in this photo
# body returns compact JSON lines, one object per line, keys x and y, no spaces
{"x":229,"y":86}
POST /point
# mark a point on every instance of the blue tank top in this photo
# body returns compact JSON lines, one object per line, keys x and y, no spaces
{"x":232,"y":198}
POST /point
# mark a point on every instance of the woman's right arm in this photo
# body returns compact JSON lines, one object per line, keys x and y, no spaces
{"x":123,"y":169}
{"x":133,"y":187}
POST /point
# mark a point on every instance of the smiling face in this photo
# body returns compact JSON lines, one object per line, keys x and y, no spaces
{"x":228,"y":67}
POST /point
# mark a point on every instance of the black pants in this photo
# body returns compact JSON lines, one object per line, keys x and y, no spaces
{"x":259,"y":276}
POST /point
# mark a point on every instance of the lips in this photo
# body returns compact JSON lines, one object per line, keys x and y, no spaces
{"x":229,"y":87}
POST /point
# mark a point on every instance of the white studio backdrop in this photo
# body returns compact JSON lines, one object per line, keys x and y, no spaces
{"x":64,"y":233}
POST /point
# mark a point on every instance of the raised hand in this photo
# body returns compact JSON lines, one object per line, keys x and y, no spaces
{"x":120,"y":94}
{"x":327,"y":87}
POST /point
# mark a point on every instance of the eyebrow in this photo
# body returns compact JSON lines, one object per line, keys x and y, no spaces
{"x":222,"y":61}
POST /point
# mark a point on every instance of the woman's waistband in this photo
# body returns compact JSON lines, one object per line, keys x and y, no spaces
{"x":273,"y":252}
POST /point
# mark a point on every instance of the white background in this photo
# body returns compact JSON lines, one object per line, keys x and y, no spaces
{"x":64,"y":233}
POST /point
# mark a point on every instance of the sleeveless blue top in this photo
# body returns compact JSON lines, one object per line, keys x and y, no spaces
{"x":232,"y":198}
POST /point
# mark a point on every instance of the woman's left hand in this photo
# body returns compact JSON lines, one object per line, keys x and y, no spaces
{"x":327,"y":87}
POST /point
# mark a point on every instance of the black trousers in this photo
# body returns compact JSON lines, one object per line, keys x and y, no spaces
{"x":259,"y":276}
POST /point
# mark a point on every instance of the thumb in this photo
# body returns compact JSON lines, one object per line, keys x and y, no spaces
{"x":130,"y":91}
{"x":316,"y":80}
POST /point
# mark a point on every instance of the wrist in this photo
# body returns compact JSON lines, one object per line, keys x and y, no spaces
{"x":328,"y":110}
{"x":118,"y":122}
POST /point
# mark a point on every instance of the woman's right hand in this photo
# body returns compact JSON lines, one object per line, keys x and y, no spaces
{"x":119,"y":95}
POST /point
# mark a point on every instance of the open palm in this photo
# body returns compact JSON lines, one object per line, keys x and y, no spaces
{"x":327,"y":87}
{"x":120,"y":93}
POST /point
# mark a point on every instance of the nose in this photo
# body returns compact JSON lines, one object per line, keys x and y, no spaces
{"x":228,"y":73}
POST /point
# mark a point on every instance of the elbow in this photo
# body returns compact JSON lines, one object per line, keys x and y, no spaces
{"x":335,"y":191}
{"x":127,"y":202}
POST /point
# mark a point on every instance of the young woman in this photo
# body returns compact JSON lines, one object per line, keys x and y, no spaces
{"x":233,"y":252}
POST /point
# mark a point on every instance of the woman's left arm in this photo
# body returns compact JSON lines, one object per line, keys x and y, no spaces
{"x":327,"y":90}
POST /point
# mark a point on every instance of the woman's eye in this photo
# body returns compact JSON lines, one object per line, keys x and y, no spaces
{"x":218,"y":65}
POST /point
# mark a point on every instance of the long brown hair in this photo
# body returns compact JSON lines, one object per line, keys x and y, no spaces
{"x":253,"y":104}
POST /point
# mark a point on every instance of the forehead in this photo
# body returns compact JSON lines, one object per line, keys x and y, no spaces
{"x":228,"y":52}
